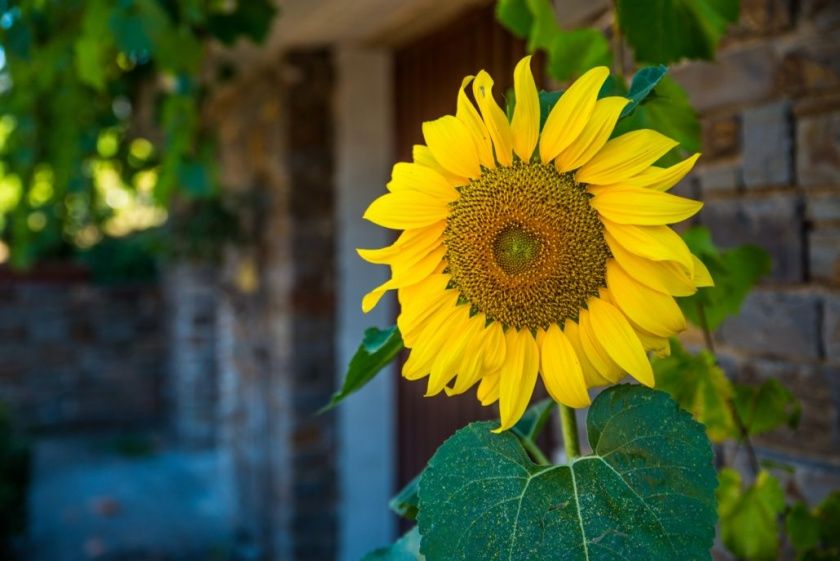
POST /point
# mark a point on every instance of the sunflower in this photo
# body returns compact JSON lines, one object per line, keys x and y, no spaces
{"x":530,"y":250}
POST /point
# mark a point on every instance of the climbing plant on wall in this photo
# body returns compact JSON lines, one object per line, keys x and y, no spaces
{"x":101,"y":132}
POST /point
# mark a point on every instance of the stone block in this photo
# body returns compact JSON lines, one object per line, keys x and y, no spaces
{"x":719,"y":178}
{"x":823,"y":207}
{"x":818,"y":150}
{"x":831,"y":331}
{"x":762,"y":17}
{"x":824,"y":254}
{"x":721,"y":136}
{"x":776,"y":324}
{"x":823,"y":14}
{"x":767,"y":146}
{"x":773,"y":222}
{"x":741,"y":75}
{"x":811,"y":66}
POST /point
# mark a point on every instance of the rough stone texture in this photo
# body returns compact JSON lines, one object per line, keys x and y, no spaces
{"x":767,"y":145}
{"x":721,"y":136}
{"x":831,"y":332}
{"x":777,"y":324}
{"x":824,"y":255}
{"x":77,"y":354}
{"x":741,"y":75}
{"x":718,"y":178}
{"x":810,"y":66}
{"x":772,"y":222}
{"x":193,"y":385}
{"x":759,"y":17}
{"x":818,"y":150}
{"x":276,"y":324}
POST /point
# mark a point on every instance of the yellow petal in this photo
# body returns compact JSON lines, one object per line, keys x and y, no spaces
{"x":452,"y":146}
{"x":570,"y":114}
{"x":518,"y":376}
{"x":421,"y":178}
{"x":456,"y":338}
{"x":468,"y":366}
{"x":404,"y":276}
{"x":434,"y":339}
{"x":595,"y":134}
{"x":421,"y":154}
{"x":625,"y":156}
{"x":658,"y":243}
{"x":664,"y":276}
{"x":619,"y":340}
{"x":525,"y":124}
{"x":701,"y":277}
{"x":406,"y":209}
{"x":488,"y":389}
{"x":416,"y":240}
{"x":561,"y":370}
{"x":651,"y":310}
{"x":468,"y":115}
{"x":645,"y":207}
{"x":595,"y":352}
{"x":494,"y":350}
{"x":661,"y":179}
{"x":660,"y":346}
{"x":590,"y":374}
{"x":418,"y":302}
{"x":494,"y":118}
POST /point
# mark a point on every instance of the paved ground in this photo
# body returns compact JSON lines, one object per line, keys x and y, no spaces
{"x":126,"y":498}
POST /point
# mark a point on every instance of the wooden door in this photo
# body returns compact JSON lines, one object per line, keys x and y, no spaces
{"x":427,"y":74}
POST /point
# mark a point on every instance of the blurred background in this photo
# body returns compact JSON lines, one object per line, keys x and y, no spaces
{"x":181,"y":191}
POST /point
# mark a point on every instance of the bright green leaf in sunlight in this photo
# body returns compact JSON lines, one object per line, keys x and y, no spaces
{"x":735,"y":272}
{"x":515,"y":15}
{"x":572,"y":53}
{"x":663,"y":31}
{"x":766,"y":406}
{"x":698,"y":384}
{"x":379,"y":348}
{"x":749,"y":516}
{"x":647,"y":491}
{"x":544,"y":28}
{"x":666,"y":109}
{"x":407,"y":548}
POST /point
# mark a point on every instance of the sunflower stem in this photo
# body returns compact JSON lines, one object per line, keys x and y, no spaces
{"x":568,"y":423}
{"x":755,"y":467}
{"x":532,"y":448}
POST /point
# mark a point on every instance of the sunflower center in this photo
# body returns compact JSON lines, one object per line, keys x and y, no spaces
{"x":515,"y":249}
{"x":525,"y":247}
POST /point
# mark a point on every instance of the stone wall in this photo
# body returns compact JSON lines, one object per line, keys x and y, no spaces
{"x":770,"y":176}
{"x":276,"y":323}
{"x":73,"y":354}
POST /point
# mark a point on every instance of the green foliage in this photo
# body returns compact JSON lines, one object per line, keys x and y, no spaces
{"x":749,"y":516}
{"x":405,"y":502}
{"x":735,"y":272}
{"x":532,"y":422}
{"x":643,"y":83}
{"x":698,"y":384}
{"x":815,"y":533}
{"x":407,"y":548}
{"x":767,"y":406}
{"x":15,"y":469}
{"x":570,"y":53}
{"x":650,"y":474}
{"x":122,"y":68}
{"x":378,"y":349}
{"x":663,"y":31}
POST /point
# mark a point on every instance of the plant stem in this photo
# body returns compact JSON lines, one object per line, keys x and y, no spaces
{"x":532,"y":449}
{"x":739,"y":422}
{"x":568,"y":423}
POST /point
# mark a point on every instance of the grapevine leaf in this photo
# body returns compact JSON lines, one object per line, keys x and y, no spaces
{"x":647,"y":491}
{"x":378,"y":349}
{"x":749,"y":516}
{"x":766,"y":406}
{"x":700,"y":387}
{"x":572,"y":53}
{"x":515,"y":16}
{"x":663,"y":31}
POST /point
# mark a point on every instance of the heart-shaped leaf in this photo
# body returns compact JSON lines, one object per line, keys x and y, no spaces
{"x":407,"y":548}
{"x":646,"y":492}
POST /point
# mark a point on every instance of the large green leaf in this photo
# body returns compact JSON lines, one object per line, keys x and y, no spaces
{"x":735,"y":272}
{"x":407,"y":548}
{"x":378,"y":349}
{"x":646,"y":492}
{"x":663,"y":31}
{"x":574,"y":52}
{"x":766,"y":406}
{"x":700,"y":387}
{"x":644,"y":81}
{"x":666,"y":109}
{"x":749,"y":516}
{"x":515,"y":15}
